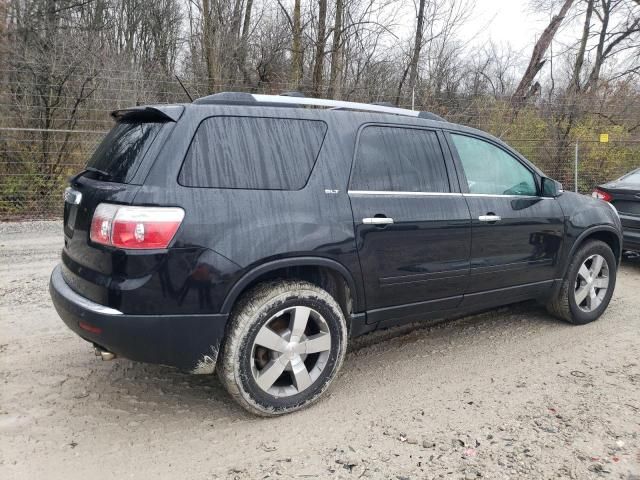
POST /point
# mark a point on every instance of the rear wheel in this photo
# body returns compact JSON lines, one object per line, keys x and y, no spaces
{"x":588,"y":285}
{"x":285,"y":343}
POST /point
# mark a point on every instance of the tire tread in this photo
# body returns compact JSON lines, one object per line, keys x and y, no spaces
{"x":242,"y":318}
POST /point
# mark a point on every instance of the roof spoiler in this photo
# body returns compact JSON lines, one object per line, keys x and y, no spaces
{"x":157,"y":113}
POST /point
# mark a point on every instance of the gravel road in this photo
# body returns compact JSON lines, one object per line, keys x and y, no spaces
{"x":508,"y":394}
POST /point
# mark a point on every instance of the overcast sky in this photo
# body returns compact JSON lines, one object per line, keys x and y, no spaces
{"x":506,"y":21}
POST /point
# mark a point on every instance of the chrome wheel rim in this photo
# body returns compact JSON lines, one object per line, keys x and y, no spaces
{"x":592,"y":283}
{"x":290,"y":351}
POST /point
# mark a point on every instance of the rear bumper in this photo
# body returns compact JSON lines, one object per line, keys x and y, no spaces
{"x":189,"y":342}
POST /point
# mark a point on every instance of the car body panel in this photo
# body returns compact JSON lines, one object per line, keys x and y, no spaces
{"x":625,"y":194}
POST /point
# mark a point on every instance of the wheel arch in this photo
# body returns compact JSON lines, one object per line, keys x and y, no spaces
{"x":604,"y":233}
{"x":324,"y":272}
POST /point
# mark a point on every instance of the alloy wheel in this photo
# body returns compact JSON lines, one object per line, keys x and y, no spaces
{"x":290,"y":351}
{"x":592,"y":283}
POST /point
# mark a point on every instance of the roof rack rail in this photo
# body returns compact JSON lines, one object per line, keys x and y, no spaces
{"x":342,"y":105}
{"x":292,"y":99}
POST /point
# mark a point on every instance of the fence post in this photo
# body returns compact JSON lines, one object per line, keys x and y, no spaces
{"x":575,"y":170}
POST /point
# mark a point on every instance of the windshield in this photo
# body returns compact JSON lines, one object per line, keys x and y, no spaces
{"x":118,"y":156}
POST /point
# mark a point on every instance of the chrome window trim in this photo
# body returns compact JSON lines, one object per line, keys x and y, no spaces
{"x":404,"y":194}
{"x":503,"y":196}
{"x":439,"y":194}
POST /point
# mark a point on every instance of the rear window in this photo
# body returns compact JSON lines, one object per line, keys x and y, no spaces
{"x":252,"y":153}
{"x":119,"y":155}
{"x":633,"y":177}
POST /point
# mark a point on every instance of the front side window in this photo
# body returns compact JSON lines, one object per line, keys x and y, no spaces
{"x":252,"y":153}
{"x":492,"y":171}
{"x":399,"y":160}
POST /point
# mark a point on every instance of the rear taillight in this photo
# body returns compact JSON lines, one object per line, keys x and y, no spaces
{"x":135,"y":227}
{"x":602,"y":195}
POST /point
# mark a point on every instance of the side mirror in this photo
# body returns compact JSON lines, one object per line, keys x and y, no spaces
{"x":551,"y":188}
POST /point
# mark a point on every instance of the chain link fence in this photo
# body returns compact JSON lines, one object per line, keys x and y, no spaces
{"x":34,"y":171}
{"x":41,"y":148}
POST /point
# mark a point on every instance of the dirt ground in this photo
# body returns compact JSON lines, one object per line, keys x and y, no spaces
{"x":508,"y":394}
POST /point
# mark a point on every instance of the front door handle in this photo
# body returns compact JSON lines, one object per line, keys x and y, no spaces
{"x":489,"y":218}
{"x":377,"y":221}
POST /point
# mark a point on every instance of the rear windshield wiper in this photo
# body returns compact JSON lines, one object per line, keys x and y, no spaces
{"x":73,"y":179}
{"x":107,"y":175}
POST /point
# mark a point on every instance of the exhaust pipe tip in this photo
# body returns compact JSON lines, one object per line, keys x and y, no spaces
{"x":106,"y":356}
{"x":103,"y":354}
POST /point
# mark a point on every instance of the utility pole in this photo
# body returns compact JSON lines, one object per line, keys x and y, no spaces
{"x":575,"y":170}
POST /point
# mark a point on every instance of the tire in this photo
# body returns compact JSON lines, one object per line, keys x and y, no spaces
{"x":565,"y":305}
{"x":247,"y":366}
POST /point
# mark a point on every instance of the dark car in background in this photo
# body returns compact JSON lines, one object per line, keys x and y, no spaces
{"x":624,"y":194}
{"x":255,"y":234}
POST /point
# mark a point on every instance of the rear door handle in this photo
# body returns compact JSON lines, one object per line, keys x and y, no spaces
{"x":489,"y":218}
{"x":377,"y":221}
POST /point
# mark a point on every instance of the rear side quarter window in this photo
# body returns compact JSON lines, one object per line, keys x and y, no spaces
{"x":252,"y":153}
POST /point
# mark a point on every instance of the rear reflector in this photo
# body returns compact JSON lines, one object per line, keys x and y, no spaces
{"x":90,"y":328}
{"x":135,"y":227}
{"x":602,"y":195}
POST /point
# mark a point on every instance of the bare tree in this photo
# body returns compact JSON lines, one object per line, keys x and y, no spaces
{"x":321,"y":41}
{"x":336,"y":52}
{"x":417,"y":46}
{"x":296,"y":46}
{"x":579,"y":62}
{"x":526,"y":87}
{"x":612,"y":41}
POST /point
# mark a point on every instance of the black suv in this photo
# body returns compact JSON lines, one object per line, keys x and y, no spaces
{"x":254,"y":234}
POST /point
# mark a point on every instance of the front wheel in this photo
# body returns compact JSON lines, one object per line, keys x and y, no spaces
{"x":588,"y":284}
{"x":285,"y":343}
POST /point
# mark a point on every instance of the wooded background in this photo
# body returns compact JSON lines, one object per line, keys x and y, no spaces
{"x":65,"y":64}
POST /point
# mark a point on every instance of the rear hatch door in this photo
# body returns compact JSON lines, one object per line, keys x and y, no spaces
{"x":113,"y":174}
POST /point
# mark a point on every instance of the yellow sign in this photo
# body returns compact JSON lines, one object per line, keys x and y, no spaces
{"x":604,"y":138}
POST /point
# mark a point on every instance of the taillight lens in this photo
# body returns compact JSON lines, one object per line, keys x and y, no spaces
{"x":602,"y":195}
{"x":135,"y":227}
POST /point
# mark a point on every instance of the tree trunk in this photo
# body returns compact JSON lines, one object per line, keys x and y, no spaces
{"x":296,"y":47}
{"x":244,"y":41}
{"x":413,"y":66}
{"x":336,"y":54}
{"x":594,"y":76}
{"x":536,"y":63}
{"x":577,"y":67}
{"x":208,"y":47}
{"x":320,"y":45}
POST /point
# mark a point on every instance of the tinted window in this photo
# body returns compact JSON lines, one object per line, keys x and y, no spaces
{"x":252,"y":153}
{"x":399,"y":159}
{"x":490,"y":170}
{"x":118,"y":156}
